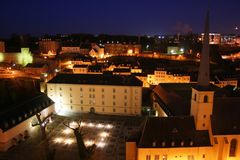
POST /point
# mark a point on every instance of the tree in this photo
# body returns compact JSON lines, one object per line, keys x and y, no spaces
{"x":50,"y":154}
{"x":84,"y":152}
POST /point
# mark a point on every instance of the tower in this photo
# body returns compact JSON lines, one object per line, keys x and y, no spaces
{"x":202,"y":94}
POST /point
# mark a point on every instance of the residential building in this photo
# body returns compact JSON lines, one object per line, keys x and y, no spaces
{"x":162,"y":76}
{"x":49,"y":47}
{"x":19,"y":105}
{"x":98,"y":93}
{"x":122,"y":49}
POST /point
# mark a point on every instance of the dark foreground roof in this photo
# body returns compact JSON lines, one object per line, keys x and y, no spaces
{"x":17,"y":113}
{"x":166,"y":132}
{"x":96,"y":79}
{"x":20,"y":99}
{"x":226,"y":116}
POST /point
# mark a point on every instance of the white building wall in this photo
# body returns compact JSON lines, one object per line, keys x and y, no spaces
{"x":105,"y":99}
{"x":10,"y":137}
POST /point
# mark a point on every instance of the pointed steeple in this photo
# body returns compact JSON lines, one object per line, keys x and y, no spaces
{"x":203,"y":74}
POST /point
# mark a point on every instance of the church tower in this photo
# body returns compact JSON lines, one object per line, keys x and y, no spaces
{"x":202,"y":94}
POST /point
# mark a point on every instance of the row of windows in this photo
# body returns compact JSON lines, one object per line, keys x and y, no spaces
{"x":103,"y":103}
{"x":93,"y":90}
{"x":164,"y":157}
{"x":93,"y":96}
{"x":103,"y":109}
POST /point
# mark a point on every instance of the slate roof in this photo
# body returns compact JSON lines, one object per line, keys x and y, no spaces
{"x":19,"y":101}
{"x":96,"y":79}
{"x":171,"y":132}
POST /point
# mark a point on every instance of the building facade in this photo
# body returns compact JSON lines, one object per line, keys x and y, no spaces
{"x":161,"y":76}
{"x":104,"y":94}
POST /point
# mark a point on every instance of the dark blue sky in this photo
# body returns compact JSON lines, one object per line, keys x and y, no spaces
{"x":134,"y":17}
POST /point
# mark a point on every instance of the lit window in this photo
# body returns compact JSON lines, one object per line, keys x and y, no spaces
{"x":164,"y":157}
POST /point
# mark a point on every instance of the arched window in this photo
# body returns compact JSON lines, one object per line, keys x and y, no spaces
{"x":205,"y":100}
{"x":233,"y":148}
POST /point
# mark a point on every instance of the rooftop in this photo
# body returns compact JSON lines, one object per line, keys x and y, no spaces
{"x":167,"y":132}
{"x":96,"y":79}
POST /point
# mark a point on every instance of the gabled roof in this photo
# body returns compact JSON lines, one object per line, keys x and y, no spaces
{"x":171,"y":132}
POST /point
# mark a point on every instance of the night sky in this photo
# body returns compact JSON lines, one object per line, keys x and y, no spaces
{"x":131,"y":17}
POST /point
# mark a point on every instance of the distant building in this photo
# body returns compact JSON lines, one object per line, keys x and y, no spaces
{"x":214,"y":38}
{"x":36,"y":68}
{"x":80,"y":69}
{"x":19,"y":105}
{"x":2,"y":46}
{"x":175,"y":50}
{"x":122,"y":49}
{"x":97,"y":93}
{"x":162,"y":76}
{"x":70,"y":50}
{"x":49,"y":47}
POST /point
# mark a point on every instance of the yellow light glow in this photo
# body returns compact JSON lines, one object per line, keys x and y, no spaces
{"x":83,"y":124}
{"x":109,"y":126}
{"x":67,"y":131}
{"x":104,"y":134}
{"x":68,"y":141}
{"x":58,"y":140}
{"x":101,"y":144}
{"x":100,"y":125}
{"x":1,"y":57}
{"x":89,"y":142}
{"x":73,"y":124}
{"x":91,"y":125}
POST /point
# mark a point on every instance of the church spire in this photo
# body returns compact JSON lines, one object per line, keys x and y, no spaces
{"x":203,"y":75}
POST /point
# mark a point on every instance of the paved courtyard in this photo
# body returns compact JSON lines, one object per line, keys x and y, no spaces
{"x":108,"y":133}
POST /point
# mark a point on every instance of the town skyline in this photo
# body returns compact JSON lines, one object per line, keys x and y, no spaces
{"x":114,"y":18}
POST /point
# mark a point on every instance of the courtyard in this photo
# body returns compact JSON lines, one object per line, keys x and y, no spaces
{"x":107,"y":132}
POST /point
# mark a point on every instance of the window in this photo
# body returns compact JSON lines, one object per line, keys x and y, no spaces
{"x":190,"y":157}
{"x":205,"y":100}
{"x":233,"y":148}
{"x":125,"y":110}
{"x":114,"y":110}
{"x":114,"y":90}
{"x":82,"y":108}
{"x":103,"y":109}
{"x":70,"y":95}
{"x":114,"y":96}
{"x":81,"y":95}
{"x":148,"y":157}
{"x":81,"y":89}
{"x":102,"y":89}
{"x":195,"y":97}
{"x":70,"y":101}
{"x":164,"y":157}
{"x":125,"y":104}
{"x":81,"y":101}
{"x":203,"y":125}
{"x":102,"y":102}
{"x":203,"y":156}
{"x":204,"y":116}
{"x":102,"y":96}
{"x":70,"y":89}
{"x":125,"y":90}
{"x":156,"y":157}
{"x":60,"y":88}
{"x":125,"y":97}
{"x":114,"y":103}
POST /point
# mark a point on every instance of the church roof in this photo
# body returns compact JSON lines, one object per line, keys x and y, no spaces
{"x":171,"y":132}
